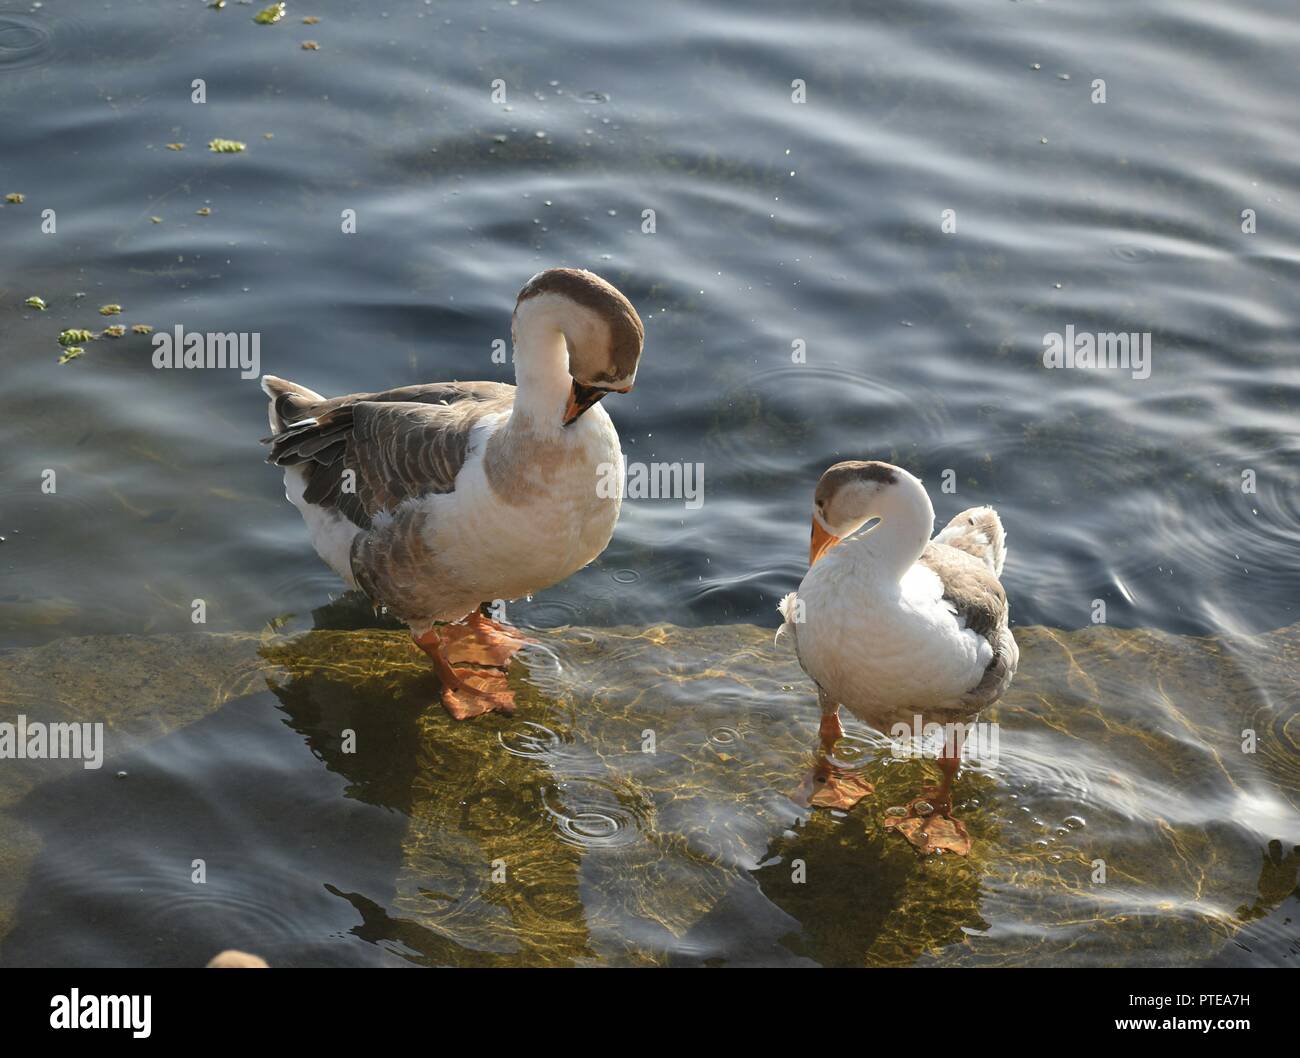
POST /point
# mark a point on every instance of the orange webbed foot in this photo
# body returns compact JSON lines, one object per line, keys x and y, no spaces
{"x":827,"y":786}
{"x":466,"y":692}
{"x":481,"y":641}
{"x":926,"y":822}
{"x":478,"y":692}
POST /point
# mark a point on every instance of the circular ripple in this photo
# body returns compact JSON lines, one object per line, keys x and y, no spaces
{"x":852,"y":754}
{"x":553,"y":613}
{"x":529,"y":739}
{"x":626,"y":576}
{"x":781,"y":394}
{"x":596,"y":813}
{"x":725,"y":736}
{"x":24,"y":41}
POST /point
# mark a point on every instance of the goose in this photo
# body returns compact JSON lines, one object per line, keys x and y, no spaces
{"x":901,"y":629}
{"x":434,"y":499}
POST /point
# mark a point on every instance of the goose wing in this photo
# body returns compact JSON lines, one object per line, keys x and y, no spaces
{"x":367,"y":453}
{"x":976,"y":597}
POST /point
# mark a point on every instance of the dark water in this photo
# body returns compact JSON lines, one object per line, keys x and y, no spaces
{"x":775,"y":222}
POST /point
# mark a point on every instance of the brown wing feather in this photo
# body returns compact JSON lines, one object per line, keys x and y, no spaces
{"x":399,"y":444}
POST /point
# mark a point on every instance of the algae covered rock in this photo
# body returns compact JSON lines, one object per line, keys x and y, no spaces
{"x":640,"y":808}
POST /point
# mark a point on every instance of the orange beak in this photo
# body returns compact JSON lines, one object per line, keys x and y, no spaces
{"x":822,"y":541}
{"x":580,"y":399}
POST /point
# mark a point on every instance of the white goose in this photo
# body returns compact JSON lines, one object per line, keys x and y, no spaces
{"x":894,"y":626}
{"x":434,"y":499}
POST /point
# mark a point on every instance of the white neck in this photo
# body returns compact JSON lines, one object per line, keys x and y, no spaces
{"x":541,"y":366}
{"x":894,"y":544}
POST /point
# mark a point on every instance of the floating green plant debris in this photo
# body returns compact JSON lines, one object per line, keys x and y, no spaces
{"x":15,"y":197}
{"x":141,"y":328}
{"x":310,"y":20}
{"x":176,"y":146}
{"x":219,"y":146}
{"x":115,"y":331}
{"x":34,"y":302}
{"x":203,"y":211}
{"x":109,"y":310}
{"x":71,"y":353}
{"x":218,"y":4}
{"x":268,"y":135}
{"x":269,"y":16}
{"x":156,"y":220}
{"x":74,"y":335}
{"x":310,"y":45}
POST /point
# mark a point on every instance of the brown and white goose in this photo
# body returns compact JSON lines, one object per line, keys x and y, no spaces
{"x":434,"y":499}
{"x":899,"y":628}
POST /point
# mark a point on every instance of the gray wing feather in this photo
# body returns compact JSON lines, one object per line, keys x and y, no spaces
{"x":976,"y":596}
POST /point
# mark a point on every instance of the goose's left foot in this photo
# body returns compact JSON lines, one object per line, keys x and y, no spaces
{"x":927,"y":821}
{"x":481,"y":641}
{"x":479,"y":691}
{"x":929,"y":826}
{"x":466,"y":692}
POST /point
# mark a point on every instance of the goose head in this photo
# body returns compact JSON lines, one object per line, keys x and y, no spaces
{"x":600,"y":330}
{"x":852,"y":493}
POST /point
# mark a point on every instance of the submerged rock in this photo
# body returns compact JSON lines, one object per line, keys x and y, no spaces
{"x":637,"y":809}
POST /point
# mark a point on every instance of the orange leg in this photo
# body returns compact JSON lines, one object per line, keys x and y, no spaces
{"x":830,"y":730}
{"x":466,"y":692}
{"x":827,"y":786}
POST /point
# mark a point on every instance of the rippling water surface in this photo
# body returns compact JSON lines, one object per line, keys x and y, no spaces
{"x":776,"y":223}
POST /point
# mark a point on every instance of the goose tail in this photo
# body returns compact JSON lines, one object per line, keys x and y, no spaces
{"x":289,"y":402}
{"x":978,"y":531}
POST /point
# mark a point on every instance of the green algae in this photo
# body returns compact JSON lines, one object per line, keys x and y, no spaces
{"x":269,"y":16}
{"x":220,"y":146}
